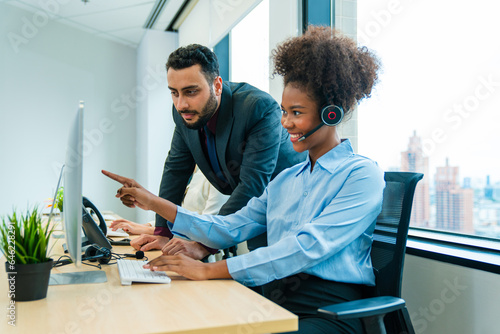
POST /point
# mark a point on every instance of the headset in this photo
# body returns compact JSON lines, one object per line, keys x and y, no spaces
{"x":103,"y":255}
{"x":330,"y":115}
{"x":95,"y":253}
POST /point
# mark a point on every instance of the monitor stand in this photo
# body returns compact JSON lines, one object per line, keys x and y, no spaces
{"x":80,"y":277}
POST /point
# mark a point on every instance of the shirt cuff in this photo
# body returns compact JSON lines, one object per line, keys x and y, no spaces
{"x":182,"y":222}
{"x":238,"y":271}
{"x":181,"y":227}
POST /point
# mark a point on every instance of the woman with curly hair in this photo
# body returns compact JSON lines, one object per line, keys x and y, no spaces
{"x":320,"y":214}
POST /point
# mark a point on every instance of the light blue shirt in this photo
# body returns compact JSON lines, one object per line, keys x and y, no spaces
{"x":318,"y":222}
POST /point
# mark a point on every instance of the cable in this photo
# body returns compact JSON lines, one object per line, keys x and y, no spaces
{"x":98,"y":265}
{"x":60,"y":262}
{"x":65,"y":259}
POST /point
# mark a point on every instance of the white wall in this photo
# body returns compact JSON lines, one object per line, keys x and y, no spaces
{"x":155,"y":126}
{"x":345,"y":21}
{"x":43,"y":74}
{"x":446,"y":298}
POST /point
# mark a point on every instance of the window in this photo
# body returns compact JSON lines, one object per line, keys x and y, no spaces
{"x":316,"y":12}
{"x":250,"y":48}
{"x":435,"y":109}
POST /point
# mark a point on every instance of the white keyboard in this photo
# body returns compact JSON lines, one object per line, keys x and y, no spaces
{"x":118,"y":233}
{"x":132,"y":271}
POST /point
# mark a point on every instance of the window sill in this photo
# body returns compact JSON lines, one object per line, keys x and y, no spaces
{"x":463,"y":250}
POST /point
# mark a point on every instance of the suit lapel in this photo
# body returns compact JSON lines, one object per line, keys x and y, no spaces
{"x":200,"y":158}
{"x":223,"y":130}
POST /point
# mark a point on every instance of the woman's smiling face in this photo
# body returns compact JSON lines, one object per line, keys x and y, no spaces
{"x":301,"y":115}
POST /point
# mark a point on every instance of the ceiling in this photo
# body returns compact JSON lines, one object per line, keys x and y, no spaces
{"x":123,"y":21}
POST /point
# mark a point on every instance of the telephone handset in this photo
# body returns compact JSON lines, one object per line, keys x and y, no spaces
{"x":87,"y":204}
{"x":95,"y":234}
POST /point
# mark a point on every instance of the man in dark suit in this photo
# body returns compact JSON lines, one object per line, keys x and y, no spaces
{"x":232,"y":131}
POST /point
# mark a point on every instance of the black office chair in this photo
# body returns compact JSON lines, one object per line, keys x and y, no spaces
{"x":388,"y":253}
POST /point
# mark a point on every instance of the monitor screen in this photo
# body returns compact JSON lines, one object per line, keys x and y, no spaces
{"x":72,"y":210}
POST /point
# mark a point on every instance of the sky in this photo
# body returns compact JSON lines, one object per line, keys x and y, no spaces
{"x":440,"y":77}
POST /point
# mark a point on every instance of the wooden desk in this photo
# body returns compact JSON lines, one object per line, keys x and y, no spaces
{"x":183,"y":306}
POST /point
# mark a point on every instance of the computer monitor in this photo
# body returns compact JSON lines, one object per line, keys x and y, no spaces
{"x":73,"y":209}
{"x":76,"y":213}
{"x":72,"y":194}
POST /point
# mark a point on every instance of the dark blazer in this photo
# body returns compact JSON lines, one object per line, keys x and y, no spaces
{"x":252,"y":148}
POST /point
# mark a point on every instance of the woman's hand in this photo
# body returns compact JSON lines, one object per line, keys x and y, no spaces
{"x":189,"y":268}
{"x":181,"y":264}
{"x":132,"y":194}
{"x":131,"y":227}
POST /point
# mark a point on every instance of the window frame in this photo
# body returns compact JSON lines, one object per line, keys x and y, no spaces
{"x":223,"y":52}
{"x":464,"y":250}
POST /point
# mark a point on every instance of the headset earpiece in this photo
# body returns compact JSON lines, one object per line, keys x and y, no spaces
{"x":93,"y":253}
{"x":332,"y":115}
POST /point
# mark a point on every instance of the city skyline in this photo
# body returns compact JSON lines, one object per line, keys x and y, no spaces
{"x":450,"y":205}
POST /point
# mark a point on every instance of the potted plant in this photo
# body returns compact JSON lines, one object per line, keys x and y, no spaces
{"x":24,"y":241}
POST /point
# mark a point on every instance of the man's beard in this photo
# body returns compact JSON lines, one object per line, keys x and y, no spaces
{"x":208,"y":111}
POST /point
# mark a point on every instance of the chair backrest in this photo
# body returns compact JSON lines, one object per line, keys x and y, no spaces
{"x":391,"y":231}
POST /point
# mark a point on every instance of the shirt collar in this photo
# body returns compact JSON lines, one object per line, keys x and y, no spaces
{"x":331,"y":159}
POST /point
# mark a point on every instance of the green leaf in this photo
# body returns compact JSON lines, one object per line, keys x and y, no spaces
{"x":31,"y":236}
{"x":20,"y":253}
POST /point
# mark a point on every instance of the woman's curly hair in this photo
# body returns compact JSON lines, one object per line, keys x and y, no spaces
{"x":331,"y":67}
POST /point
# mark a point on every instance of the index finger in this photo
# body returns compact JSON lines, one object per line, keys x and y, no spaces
{"x":115,"y":177}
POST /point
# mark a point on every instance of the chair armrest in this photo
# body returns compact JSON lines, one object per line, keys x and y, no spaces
{"x":363,"y":308}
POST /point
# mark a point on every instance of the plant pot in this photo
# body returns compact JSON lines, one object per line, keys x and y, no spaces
{"x":28,"y":281}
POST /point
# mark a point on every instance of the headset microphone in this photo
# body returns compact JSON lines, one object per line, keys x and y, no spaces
{"x":330,"y":115}
{"x":310,"y":132}
{"x":137,"y":255}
